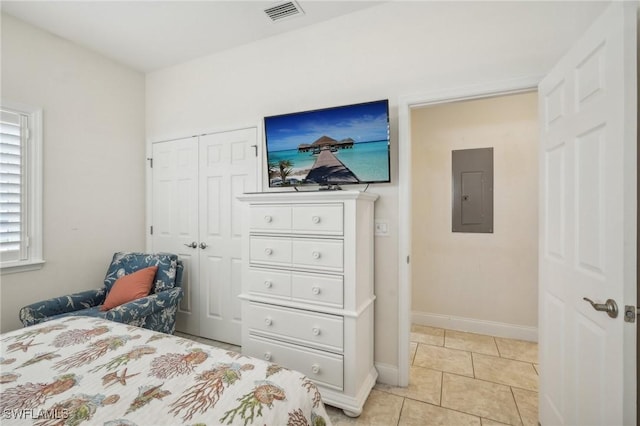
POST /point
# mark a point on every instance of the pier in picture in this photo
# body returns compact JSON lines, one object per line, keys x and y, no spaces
{"x":342,"y":145}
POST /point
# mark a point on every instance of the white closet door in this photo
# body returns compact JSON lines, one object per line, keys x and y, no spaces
{"x":175,"y":218}
{"x":228,"y":168}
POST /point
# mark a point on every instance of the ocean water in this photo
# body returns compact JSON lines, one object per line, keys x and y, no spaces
{"x":369,"y":161}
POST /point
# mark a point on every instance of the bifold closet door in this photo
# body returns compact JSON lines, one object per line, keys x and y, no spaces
{"x":228,"y":168}
{"x":175,"y":219}
{"x":196,"y":215}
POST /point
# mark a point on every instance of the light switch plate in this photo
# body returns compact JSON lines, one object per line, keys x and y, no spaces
{"x":381,"y":228}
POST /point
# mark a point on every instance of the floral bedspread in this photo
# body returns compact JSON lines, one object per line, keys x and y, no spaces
{"x":84,"y":370}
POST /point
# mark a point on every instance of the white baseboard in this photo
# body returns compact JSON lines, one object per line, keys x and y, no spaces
{"x":471,"y":325}
{"x":387,"y":374}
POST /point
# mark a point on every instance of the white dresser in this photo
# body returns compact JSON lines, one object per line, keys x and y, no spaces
{"x":307,"y":289}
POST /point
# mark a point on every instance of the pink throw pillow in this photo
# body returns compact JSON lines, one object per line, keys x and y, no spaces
{"x":130,"y":287}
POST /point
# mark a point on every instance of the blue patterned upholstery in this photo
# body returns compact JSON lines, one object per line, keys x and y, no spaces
{"x":157,"y":311}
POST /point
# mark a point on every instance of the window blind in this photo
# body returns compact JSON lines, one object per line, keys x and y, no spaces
{"x":12,"y":148}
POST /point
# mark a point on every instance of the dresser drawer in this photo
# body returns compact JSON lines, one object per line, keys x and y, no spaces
{"x":269,"y":218}
{"x":271,"y":283}
{"x":317,"y":289}
{"x":321,"y":367}
{"x":275,"y":251}
{"x":318,"y":254}
{"x":323,"y":219}
{"x":321,"y":331}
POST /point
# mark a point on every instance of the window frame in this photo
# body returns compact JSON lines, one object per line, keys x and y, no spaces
{"x":33,"y":199}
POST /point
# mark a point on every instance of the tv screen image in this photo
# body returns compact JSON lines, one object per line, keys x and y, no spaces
{"x":332,"y":146}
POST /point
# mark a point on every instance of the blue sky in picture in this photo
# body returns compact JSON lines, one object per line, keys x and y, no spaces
{"x":361,"y":122}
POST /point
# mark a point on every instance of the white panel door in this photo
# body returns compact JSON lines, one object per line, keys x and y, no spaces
{"x":228,"y":168}
{"x":588,"y":227}
{"x":175,"y":219}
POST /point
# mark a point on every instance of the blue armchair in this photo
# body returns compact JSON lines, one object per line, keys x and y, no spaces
{"x":157,"y":311}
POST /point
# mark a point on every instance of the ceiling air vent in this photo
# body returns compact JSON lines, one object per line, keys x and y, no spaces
{"x":283,"y":10}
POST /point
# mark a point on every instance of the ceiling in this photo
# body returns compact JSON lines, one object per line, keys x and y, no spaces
{"x":148,"y":35}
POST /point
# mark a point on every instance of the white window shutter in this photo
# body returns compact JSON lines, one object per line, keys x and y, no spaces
{"x":13,"y":238}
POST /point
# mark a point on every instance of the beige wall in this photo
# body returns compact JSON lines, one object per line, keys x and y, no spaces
{"x":94,"y":160}
{"x":485,"y":277}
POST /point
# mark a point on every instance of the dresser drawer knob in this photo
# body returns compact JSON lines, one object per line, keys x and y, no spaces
{"x":316,"y":255}
{"x":316,"y":331}
{"x":268,"y":284}
{"x":315,"y":290}
{"x":268,"y":219}
{"x":267,"y":356}
{"x":268,"y":251}
{"x":268,"y":321}
{"x":315,"y":219}
{"x":315,"y":368}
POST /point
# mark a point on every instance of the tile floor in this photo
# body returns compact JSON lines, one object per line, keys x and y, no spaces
{"x":456,"y":378}
{"x":209,"y":342}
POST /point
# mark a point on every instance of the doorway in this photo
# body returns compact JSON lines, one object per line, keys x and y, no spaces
{"x":406,"y":107}
{"x":480,"y":282}
{"x":485,"y":283}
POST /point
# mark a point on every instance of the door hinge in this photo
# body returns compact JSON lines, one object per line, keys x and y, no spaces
{"x":408,"y":259}
{"x":150,"y":162}
{"x":151,"y":230}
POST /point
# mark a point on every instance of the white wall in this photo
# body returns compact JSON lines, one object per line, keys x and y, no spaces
{"x":391,"y":50}
{"x":487,"y":281}
{"x":94,"y":161}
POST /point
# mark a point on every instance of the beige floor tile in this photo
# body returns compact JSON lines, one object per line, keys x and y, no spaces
{"x":487,"y":422}
{"x":505,"y":371}
{"x":429,"y":335}
{"x":424,"y":385}
{"x":527,"y":403}
{"x":381,"y":409}
{"x":470,"y":342}
{"x":444,"y":359}
{"x":413,"y":346}
{"x":520,"y":350}
{"x":489,"y":400}
{"x":416,"y":413}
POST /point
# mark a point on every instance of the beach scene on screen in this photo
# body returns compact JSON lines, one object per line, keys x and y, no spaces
{"x":341,"y":145}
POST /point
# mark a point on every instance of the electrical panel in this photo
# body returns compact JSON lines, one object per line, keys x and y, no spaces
{"x":472,"y":192}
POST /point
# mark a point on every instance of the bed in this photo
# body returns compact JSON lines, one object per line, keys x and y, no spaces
{"x":89,"y":370}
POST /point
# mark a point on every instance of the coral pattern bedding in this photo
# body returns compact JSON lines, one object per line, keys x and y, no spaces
{"x":86,"y":370}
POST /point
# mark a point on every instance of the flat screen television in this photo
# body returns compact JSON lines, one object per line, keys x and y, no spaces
{"x":329,"y":147}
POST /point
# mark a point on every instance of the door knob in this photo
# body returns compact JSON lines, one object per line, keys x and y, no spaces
{"x":610,"y":306}
{"x":192,"y":245}
{"x":203,"y":245}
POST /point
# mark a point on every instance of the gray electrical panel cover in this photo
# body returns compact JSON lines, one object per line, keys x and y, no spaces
{"x":472,"y":194}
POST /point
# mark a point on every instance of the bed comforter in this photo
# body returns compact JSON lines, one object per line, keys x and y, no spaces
{"x":82,"y":370}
